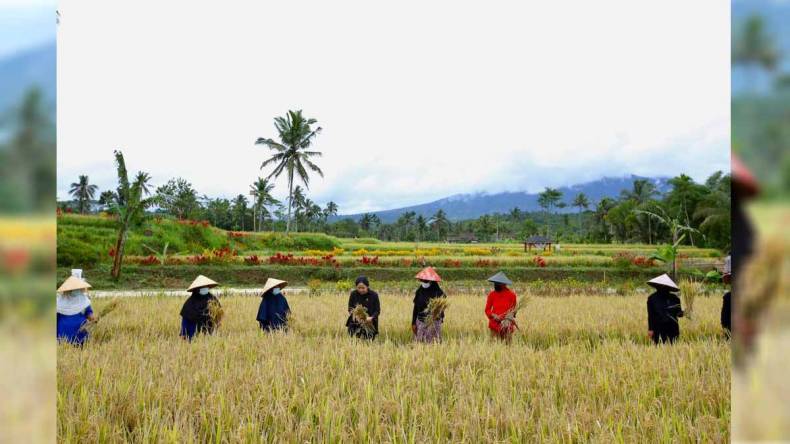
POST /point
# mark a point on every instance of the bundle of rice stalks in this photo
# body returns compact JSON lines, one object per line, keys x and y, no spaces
{"x":435,"y":309}
{"x":761,"y":282}
{"x":688,"y":291}
{"x":360,"y":315}
{"x":508,"y":321}
{"x":109,"y":308}
{"x":91,"y":326}
{"x":215,"y":312}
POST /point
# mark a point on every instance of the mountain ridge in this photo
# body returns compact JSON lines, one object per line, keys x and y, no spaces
{"x":473,"y":205}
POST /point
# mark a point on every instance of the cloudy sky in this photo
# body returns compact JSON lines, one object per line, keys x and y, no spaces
{"x":418,"y":100}
{"x":25,"y":24}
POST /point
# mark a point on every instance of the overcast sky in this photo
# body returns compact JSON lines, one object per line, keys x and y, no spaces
{"x":418,"y":100}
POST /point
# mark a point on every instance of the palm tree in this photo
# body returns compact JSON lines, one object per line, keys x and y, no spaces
{"x":130,"y":207}
{"x":548,"y":199}
{"x":107,"y":198}
{"x":642,"y":193}
{"x":292,"y":154}
{"x":298,"y":198}
{"x":143,"y":178}
{"x":83,"y":192}
{"x":440,"y":223}
{"x":582,"y":203}
{"x":239,"y":211}
{"x":262,"y":190}
{"x":331,"y":210}
{"x":365,"y":221}
{"x":421,"y":224}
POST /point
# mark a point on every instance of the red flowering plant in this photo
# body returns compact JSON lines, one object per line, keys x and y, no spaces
{"x":539,"y":261}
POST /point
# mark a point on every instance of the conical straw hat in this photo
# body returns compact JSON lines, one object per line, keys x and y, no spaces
{"x":663,"y":281}
{"x":271,"y":283}
{"x":500,"y":278}
{"x":428,"y":274}
{"x":202,"y":281}
{"x":73,"y":283}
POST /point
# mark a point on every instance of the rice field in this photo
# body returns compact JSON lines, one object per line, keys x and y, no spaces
{"x":580,"y":369}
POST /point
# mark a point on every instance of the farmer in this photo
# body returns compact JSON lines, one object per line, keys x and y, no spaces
{"x":195,"y":317}
{"x":744,"y":189}
{"x":499,"y":303}
{"x":429,"y":289}
{"x":73,"y":309}
{"x":663,"y":310}
{"x":273,"y":311}
{"x":364,"y":296}
{"x":726,"y":307}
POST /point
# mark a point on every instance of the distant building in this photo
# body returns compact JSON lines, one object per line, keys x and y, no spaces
{"x":538,"y":242}
{"x":463,"y":238}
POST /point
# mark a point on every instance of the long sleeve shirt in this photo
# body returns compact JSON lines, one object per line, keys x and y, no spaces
{"x":499,"y":303}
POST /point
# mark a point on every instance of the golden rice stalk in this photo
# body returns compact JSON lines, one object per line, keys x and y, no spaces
{"x":688,"y":291}
{"x":509,"y":319}
{"x":108,"y":308}
{"x":436,"y":306}
{"x":215,"y":312}
{"x":360,"y":315}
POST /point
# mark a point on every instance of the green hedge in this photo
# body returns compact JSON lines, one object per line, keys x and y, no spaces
{"x":137,"y":276}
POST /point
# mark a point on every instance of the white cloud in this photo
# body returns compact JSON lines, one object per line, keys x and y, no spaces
{"x":418,"y":100}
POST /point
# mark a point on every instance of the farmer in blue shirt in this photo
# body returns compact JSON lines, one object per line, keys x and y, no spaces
{"x":73,"y":309}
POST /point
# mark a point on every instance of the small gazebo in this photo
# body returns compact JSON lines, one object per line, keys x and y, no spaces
{"x":542,"y":243}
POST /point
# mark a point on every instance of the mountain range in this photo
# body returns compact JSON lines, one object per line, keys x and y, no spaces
{"x":471,"y":206}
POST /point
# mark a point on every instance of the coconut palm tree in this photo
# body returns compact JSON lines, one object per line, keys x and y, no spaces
{"x":330,"y":210}
{"x":298,"y":198}
{"x":292,"y":154}
{"x":130,"y":207}
{"x":83,"y":192}
{"x":548,"y":199}
{"x":642,"y":193}
{"x":582,"y":203}
{"x":441,"y":224}
{"x":262,"y":190}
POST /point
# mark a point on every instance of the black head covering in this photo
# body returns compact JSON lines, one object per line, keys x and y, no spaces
{"x":362,"y":279}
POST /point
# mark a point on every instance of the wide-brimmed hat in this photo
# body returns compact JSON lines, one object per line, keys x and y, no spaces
{"x":428,"y":274}
{"x":272,"y":282}
{"x":73,"y":283}
{"x":200,"y":282}
{"x":663,"y":281}
{"x":500,"y":278}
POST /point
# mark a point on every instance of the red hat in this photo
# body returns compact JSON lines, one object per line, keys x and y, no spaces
{"x":428,"y":274}
{"x":743,"y":177}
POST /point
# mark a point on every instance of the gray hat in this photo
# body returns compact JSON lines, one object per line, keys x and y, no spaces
{"x":500,"y":278}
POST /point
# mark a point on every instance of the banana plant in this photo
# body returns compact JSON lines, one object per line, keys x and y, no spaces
{"x":163,"y":256}
{"x":669,"y":253}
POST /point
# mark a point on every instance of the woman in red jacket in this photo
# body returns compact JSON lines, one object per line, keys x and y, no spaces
{"x":499,"y":302}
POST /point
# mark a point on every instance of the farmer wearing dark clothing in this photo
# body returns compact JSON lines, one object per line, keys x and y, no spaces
{"x":663,"y":310}
{"x":195,"y":316}
{"x":726,"y":303}
{"x":362,"y":295}
{"x":273,"y":311}
{"x":424,"y":330}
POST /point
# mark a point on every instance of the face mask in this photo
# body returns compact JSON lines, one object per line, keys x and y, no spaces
{"x":276,"y":291}
{"x":78,"y":293}
{"x":204,"y":291}
{"x":425,"y":284}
